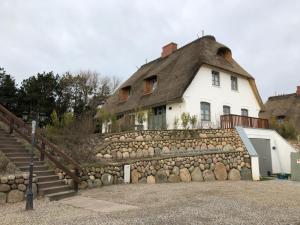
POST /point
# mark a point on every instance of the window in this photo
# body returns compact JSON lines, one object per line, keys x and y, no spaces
{"x":125,"y":93}
{"x":226,"y":110}
{"x":234,"y":83}
{"x":244,"y":112}
{"x":150,"y":84}
{"x":280,"y":119}
{"x":205,"y":111}
{"x":215,"y":78}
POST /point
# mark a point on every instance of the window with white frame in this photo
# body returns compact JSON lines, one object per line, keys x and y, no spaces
{"x":226,"y":110}
{"x":215,"y":78}
{"x":234,"y":83}
{"x":244,"y":112}
{"x":205,"y":111}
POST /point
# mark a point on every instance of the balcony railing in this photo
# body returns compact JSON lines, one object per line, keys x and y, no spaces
{"x":231,"y":121}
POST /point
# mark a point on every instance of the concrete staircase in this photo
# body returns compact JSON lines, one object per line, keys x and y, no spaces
{"x":48,"y":183}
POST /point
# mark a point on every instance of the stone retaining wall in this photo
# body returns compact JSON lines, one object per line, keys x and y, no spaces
{"x":141,"y":144}
{"x":168,"y":156}
{"x":234,"y":165}
{"x":13,"y":187}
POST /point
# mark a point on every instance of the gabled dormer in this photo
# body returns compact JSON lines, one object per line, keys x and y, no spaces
{"x":150,"y":84}
{"x":125,"y":93}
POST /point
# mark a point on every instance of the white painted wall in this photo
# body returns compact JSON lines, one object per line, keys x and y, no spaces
{"x":201,"y":89}
{"x":281,"y":161}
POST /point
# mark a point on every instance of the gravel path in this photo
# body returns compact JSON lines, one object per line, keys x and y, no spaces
{"x":239,"y":202}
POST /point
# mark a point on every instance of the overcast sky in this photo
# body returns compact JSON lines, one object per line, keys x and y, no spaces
{"x":115,"y":37}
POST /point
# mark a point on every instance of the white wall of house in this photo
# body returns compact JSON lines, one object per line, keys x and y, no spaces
{"x":202,"y":89}
{"x":281,"y":155}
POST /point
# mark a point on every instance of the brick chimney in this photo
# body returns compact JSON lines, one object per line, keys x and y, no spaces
{"x":298,"y":90}
{"x":168,"y":49}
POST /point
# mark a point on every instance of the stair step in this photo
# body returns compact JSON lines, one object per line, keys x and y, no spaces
{"x":10,"y":142}
{"x":35,"y":163}
{"x":17,"y":154}
{"x":13,"y":150}
{"x":47,"y":178}
{"x":54,"y":183}
{"x":23,"y":159}
{"x":44,"y":173}
{"x":56,"y":189}
{"x":35,"y":168}
{"x":61,"y":195}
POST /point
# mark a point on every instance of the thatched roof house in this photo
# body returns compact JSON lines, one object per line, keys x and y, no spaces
{"x":163,"y":82}
{"x":174,"y":74}
{"x":283,"y":107}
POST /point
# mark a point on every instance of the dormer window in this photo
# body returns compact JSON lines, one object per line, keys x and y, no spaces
{"x":150,"y":84}
{"x":125,"y":93}
{"x":225,"y":53}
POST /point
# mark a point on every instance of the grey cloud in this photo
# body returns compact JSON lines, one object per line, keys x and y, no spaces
{"x":113,"y":37}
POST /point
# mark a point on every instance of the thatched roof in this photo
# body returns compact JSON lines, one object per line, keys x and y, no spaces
{"x":174,"y":74}
{"x":283,"y":105}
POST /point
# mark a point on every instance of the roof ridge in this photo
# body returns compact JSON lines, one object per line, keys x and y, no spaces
{"x":209,"y":37}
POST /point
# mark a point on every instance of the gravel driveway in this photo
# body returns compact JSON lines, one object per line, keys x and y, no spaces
{"x":238,"y":202}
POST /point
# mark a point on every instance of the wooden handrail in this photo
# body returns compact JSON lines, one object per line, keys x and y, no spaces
{"x":11,"y":120}
{"x":231,"y":121}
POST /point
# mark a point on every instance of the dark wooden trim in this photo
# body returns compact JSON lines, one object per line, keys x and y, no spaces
{"x":231,"y":121}
{"x":43,"y":145}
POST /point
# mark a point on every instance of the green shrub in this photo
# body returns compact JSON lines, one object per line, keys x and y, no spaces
{"x":193,"y":121}
{"x":185,"y":120}
{"x":286,"y":129}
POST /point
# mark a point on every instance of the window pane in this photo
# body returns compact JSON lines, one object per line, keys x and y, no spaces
{"x":234,"y":83}
{"x":226,"y":110}
{"x":205,"y":111}
{"x":215,"y":78}
{"x":244,"y":112}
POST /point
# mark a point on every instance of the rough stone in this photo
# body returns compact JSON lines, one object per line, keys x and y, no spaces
{"x":134,"y":176}
{"x":99,"y":156}
{"x":143,"y":180}
{"x":83,"y":185}
{"x":197,"y":174}
{"x":125,"y":155}
{"x":2,"y":198}
{"x":22,"y":187}
{"x":4,"y":180}
{"x":176,"y":170}
{"x":165,"y":150}
{"x":174,"y":178}
{"x":208,"y":175}
{"x":220,"y":171}
{"x":98,"y":183}
{"x":119,"y":155}
{"x":15,"y":196}
{"x":185,"y":175}
{"x":161,"y":176}
{"x":139,"y":138}
{"x":151,"y":151}
{"x":4,"y":187}
{"x":228,"y":148}
{"x":107,"y":156}
{"x":246,"y":174}
{"x":151,"y":179}
{"x":107,"y":179}
{"x":234,"y":174}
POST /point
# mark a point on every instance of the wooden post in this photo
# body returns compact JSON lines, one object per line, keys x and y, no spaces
{"x":76,"y":185}
{"x":43,"y":147}
{"x":11,"y":126}
{"x":231,"y":121}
